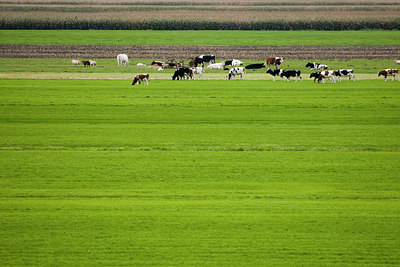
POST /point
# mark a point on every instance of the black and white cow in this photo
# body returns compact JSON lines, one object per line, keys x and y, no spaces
{"x":234,"y":62}
{"x":286,"y":74}
{"x":345,"y":73}
{"x":315,"y":75}
{"x":255,"y":66}
{"x":200,"y":60}
{"x":236,"y":71}
{"x":274,"y":73}
{"x":182,"y":74}
{"x":316,"y":66}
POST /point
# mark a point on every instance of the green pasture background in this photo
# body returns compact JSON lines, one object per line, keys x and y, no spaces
{"x":235,"y":38}
{"x":99,"y":172}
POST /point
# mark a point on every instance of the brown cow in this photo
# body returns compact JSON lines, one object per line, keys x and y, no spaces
{"x":386,"y":72}
{"x":141,"y":78}
{"x":86,"y":63}
{"x":277,"y":61}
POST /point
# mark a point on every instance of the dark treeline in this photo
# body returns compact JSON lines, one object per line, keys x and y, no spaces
{"x":79,"y":24}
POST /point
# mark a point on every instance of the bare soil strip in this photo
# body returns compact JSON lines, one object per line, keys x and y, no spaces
{"x":187,"y":52}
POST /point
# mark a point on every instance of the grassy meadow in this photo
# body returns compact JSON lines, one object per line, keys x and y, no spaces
{"x":99,"y":172}
{"x":235,"y":38}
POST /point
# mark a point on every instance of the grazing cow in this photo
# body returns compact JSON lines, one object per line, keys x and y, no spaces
{"x":277,"y":61}
{"x":86,"y":63}
{"x":182,"y":73}
{"x":76,"y":62}
{"x":92,"y":63}
{"x":286,"y":74}
{"x":274,"y":73}
{"x":386,"y":72}
{"x":141,"y":78}
{"x":220,"y":65}
{"x":200,"y":60}
{"x":122,"y":60}
{"x":397,"y":61}
{"x":327,"y":74}
{"x":316,"y":66}
{"x":234,"y":62}
{"x":197,"y":70}
{"x":255,"y":66}
{"x":315,"y":75}
{"x":236,"y":71}
{"x":345,"y":73}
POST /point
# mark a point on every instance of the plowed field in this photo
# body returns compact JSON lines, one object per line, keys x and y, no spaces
{"x":186,"y":52}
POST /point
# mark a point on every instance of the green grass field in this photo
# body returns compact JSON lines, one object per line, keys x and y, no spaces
{"x":219,"y":173}
{"x":236,"y":38}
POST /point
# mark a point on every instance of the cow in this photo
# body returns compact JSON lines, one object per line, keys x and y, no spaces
{"x":315,"y":75}
{"x":345,"y":73}
{"x":234,"y":62}
{"x":171,"y":65}
{"x":220,"y":65}
{"x":123,"y":60}
{"x":86,"y":63}
{"x":197,"y":70}
{"x":182,"y":73}
{"x":397,"y":61}
{"x":286,"y":74}
{"x":157,"y":63}
{"x":255,"y":66}
{"x":274,"y":73}
{"x":92,"y":63}
{"x":316,"y":66}
{"x":236,"y":71}
{"x":76,"y":62}
{"x":200,"y":60}
{"x":386,"y":72}
{"x":141,"y":78}
{"x":277,"y":61}
{"x":326,"y":74}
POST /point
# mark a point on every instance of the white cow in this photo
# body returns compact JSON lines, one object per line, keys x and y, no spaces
{"x":123,"y":60}
{"x":197,"y":70}
{"x":92,"y":63}
{"x":220,"y":65}
{"x":76,"y":62}
{"x":237,"y":71}
{"x":397,"y":61}
{"x":236,"y":63}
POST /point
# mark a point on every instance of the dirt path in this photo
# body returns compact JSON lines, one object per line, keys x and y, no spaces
{"x":187,"y":52}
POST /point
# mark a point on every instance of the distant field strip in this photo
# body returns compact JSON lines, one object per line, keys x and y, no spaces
{"x":209,"y":15}
{"x":201,"y":38}
{"x":187,"y":52}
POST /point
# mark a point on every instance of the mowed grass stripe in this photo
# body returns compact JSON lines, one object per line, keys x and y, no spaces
{"x":199,"y":115}
{"x":178,"y":208}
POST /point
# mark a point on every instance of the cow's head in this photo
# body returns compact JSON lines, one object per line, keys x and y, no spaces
{"x":309,"y":65}
{"x":135,"y":80}
{"x":272,"y":72}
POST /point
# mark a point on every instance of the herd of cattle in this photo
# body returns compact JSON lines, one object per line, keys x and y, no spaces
{"x":197,"y":66}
